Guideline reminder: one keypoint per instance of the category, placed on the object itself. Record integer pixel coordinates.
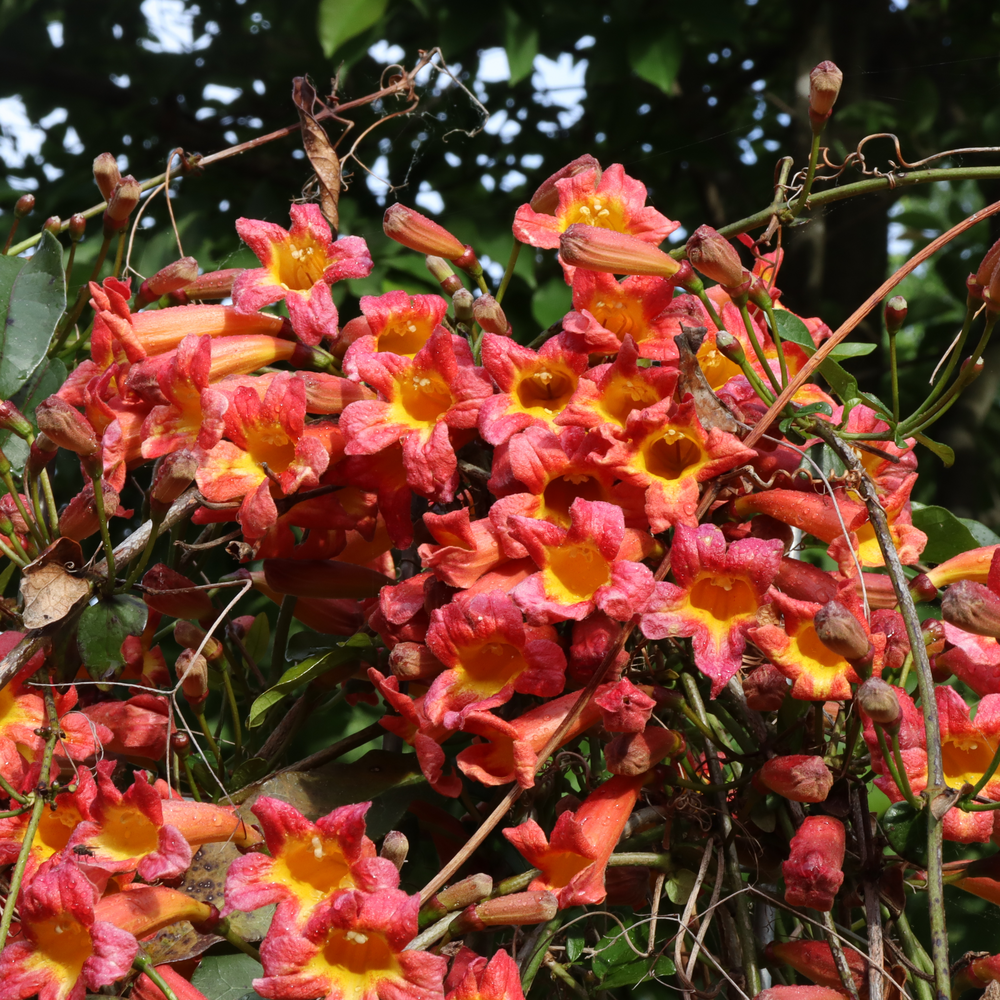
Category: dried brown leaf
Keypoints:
(50, 587)
(711, 412)
(320, 151)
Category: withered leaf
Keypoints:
(49, 587)
(320, 151)
(711, 412)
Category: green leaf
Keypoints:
(680, 885)
(258, 638)
(521, 45)
(658, 61)
(851, 350)
(249, 771)
(906, 831)
(340, 20)
(46, 380)
(36, 300)
(551, 302)
(943, 451)
(948, 535)
(343, 657)
(574, 946)
(843, 383)
(227, 977)
(103, 628)
(617, 964)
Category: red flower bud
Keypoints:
(24, 205)
(804, 581)
(730, 348)
(895, 313)
(972, 607)
(395, 847)
(443, 274)
(67, 427)
(841, 632)
(625, 708)
(765, 688)
(880, 703)
(172, 475)
(546, 197)
(800, 993)
(933, 633)
(77, 225)
(815, 960)
(798, 777)
(12, 419)
(121, 204)
(469, 890)
(322, 578)
(630, 754)
(192, 672)
(824, 86)
(716, 258)
(515, 910)
(596, 249)
(413, 661)
(464, 305)
(171, 278)
(79, 519)
(53, 224)
(812, 872)
(490, 316)
(212, 284)
(106, 175)
(425, 236)
(991, 293)
(190, 636)
(158, 585)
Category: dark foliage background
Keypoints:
(697, 100)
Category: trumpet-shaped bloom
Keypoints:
(394, 322)
(611, 200)
(425, 400)
(473, 978)
(466, 549)
(592, 564)
(973, 659)
(814, 960)
(606, 311)
(139, 726)
(534, 386)
(572, 863)
(309, 862)
(967, 748)
(489, 653)
(665, 450)
(300, 264)
(817, 672)
(813, 872)
(64, 951)
(352, 948)
(718, 593)
(268, 445)
(193, 418)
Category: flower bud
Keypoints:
(895, 313)
(824, 86)
(923, 588)
(413, 661)
(515, 910)
(546, 197)
(629, 754)
(106, 175)
(841, 632)
(322, 578)
(24, 205)
(813, 872)
(798, 777)
(470, 890)
(13, 420)
(933, 633)
(978, 281)
(211, 285)
(972, 607)
(180, 744)
(395, 847)
(77, 226)
(443, 274)
(804, 581)
(880, 703)
(625, 708)
(190, 636)
(729, 347)
(172, 475)
(171, 278)
(52, 224)
(803, 992)
(464, 304)
(158, 585)
(79, 519)
(596, 249)
(43, 450)
(121, 205)
(814, 959)
(192, 672)
(991, 293)
(765, 688)
(424, 235)
(716, 258)
(490, 316)
(67, 427)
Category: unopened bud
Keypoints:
(159, 586)
(24, 205)
(813, 872)
(597, 249)
(461, 894)
(172, 475)
(12, 419)
(515, 910)
(797, 777)
(413, 661)
(77, 226)
(443, 274)
(895, 313)
(972, 607)
(805, 991)
(395, 847)
(933, 632)
(922, 588)
(841, 632)
(425, 236)
(729, 347)
(765, 688)
(978, 281)
(463, 302)
(106, 175)
(211, 284)
(716, 258)
(189, 636)
(625, 708)
(880, 703)
(180, 744)
(171, 278)
(192, 672)
(991, 293)
(546, 197)
(67, 427)
(490, 316)
(824, 86)
(629, 754)
(52, 224)
(804, 581)
(121, 204)
(79, 519)
(43, 450)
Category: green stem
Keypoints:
(36, 506)
(894, 375)
(776, 337)
(8, 481)
(987, 774)
(69, 320)
(147, 552)
(13, 556)
(559, 971)
(975, 807)
(144, 964)
(209, 738)
(227, 683)
(956, 354)
(515, 250)
(283, 624)
(895, 765)
(189, 774)
(709, 305)
(800, 202)
(50, 502)
(538, 955)
(224, 929)
(757, 349)
(119, 254)
(102, 518)
(11, 794)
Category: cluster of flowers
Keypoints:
(545, 482)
